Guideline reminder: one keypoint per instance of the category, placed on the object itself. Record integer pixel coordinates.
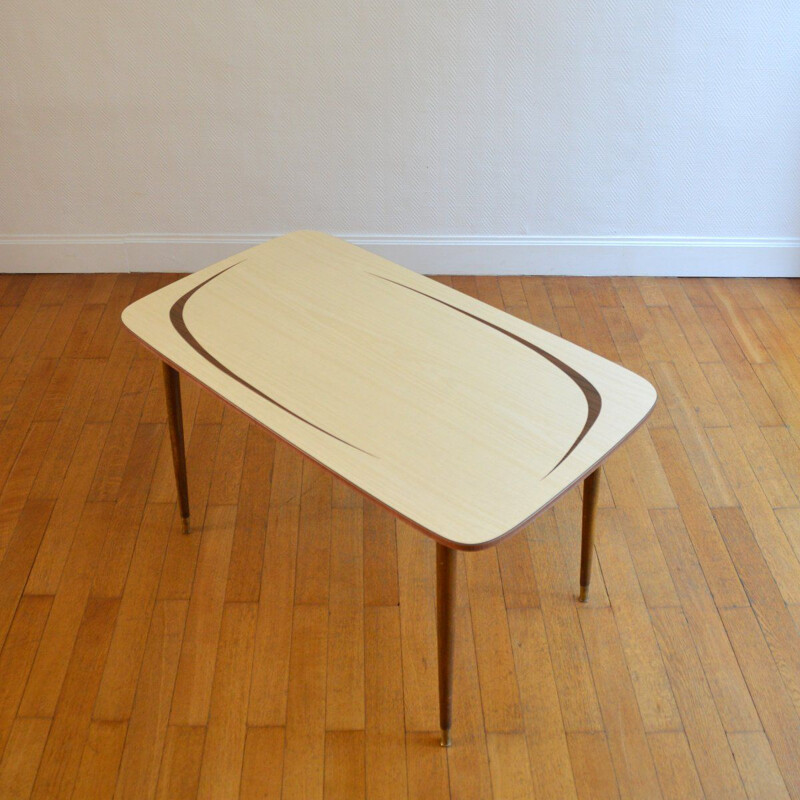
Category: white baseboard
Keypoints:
(464, 255)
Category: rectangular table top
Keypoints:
(460, 418)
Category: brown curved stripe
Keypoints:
(593, 399)
(178, 322)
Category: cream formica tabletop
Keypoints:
(460, 418)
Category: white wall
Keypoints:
(609, 136)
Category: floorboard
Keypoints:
(286, 648)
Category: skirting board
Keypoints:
(454, 255)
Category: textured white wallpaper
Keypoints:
(611, 135)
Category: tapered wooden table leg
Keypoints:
(172, 388)
(587, 531)
(445, 633)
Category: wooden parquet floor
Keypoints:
(286, 648)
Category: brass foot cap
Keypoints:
(185, 524)
(584, 595)
(445, 741)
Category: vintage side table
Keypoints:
(461, 419)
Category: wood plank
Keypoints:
(630, 753)
(75, 294)
(26, 330)
(633, 628)
(275, 610)
(681, 305)
(244, 572)
(51, 404)
(83, 329)
(517, 575)
(651, 292)
(593, 322)
(17, 657)
(781, 395)
(16, 490)
(544, 728)
(750, 438)
(193, 684)
(262, 766)
(21, 758)
(632, 356)
(488, 288)
(738, 321)
(180, 562)
(101, 287)
(416, 567)
(385, 744)
(757, 766)
(312, 581)
(786, 451)
(108, 480)
(15, 372)
(345, 684)
(558, 290)
(773, 701)
(703, 401)
(380, 556)
(14, 289)
(464, 284)
(118, 685)
(221, 771)
(512, 292)
(63, 523)
(127, 519)
(579, 706)
(709, 746)
(22, 413)
(147, 736)
(18, 558)
(765, 598)
(303, 767)
(721, 669)
(499, 691)
(180, 767)
(641, 320)
(720, 334)
(427, 767)
(592, 767)
(642, 542)
(650, 478)
(62, 752)
(777, 550)
(67, 617)
(97, 774)
(781, 348)
(675, 765)
(740, 289)
(695, 440)
(790, 523)
(54, 464)
(511, 770)
(468, 758)
(344, 765)
(711, 552)
(232, 459)
(103, 339)
(538, 302)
